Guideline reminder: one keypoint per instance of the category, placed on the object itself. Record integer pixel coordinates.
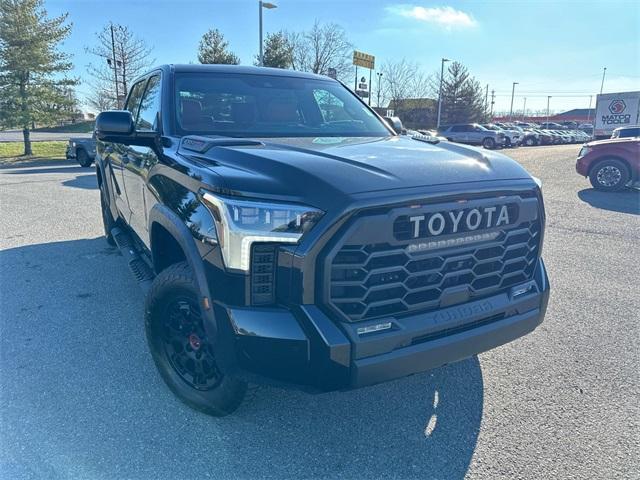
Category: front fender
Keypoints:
(170, 221)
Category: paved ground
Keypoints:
(80, 397)
(16, 136)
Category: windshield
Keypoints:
(245, 105)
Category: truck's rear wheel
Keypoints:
(181, 348)
(609, 175)
(83, 158)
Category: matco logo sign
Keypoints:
(617, 116)
(617, 107)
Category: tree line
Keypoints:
(35, 87)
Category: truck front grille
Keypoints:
(380, 279)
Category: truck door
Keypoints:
(116, 153)
(139, 159)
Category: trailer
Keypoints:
(615, 110)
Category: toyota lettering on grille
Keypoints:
(441, 223)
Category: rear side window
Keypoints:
(150, 106)
(630, 132)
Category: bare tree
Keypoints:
(101, 96)
(132, 58)
(404, 80)
(324, 46)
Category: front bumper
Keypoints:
(583, 164)
(302, 347)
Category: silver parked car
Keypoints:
(513, 137)
(473, 134)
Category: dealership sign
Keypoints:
(361, 59)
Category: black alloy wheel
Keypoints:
(187, 346)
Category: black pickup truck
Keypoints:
(285, 234)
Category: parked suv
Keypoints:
(625, 132)
(610, 164)
(286, 234)
(512, 137)
(474, 134)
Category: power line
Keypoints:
(545, 96)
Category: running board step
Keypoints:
(141, 270)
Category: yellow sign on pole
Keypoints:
(365, 60)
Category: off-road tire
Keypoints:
(178, 282)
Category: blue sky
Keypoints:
(556, 48)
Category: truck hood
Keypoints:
(612, 141)
(313, 169)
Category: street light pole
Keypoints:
(440, 94)
(513, 91)
(379, 74)
(604, 72)
(262, 5)
(548, 98)
(524, 108)
(115, 66)
(589, 109)
(260, 23)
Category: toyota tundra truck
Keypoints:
(286, 235)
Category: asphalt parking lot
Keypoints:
(80, 397)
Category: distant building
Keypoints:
(577, 115)
(414, 112)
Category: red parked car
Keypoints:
(610, 164)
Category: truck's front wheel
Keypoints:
(181, 348)
(609, 175)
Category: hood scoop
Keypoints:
(199, 144)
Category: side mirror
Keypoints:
(114, 123)
(117, 126)
(395, 123)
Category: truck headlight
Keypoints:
(240, 223)
(583, 151)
